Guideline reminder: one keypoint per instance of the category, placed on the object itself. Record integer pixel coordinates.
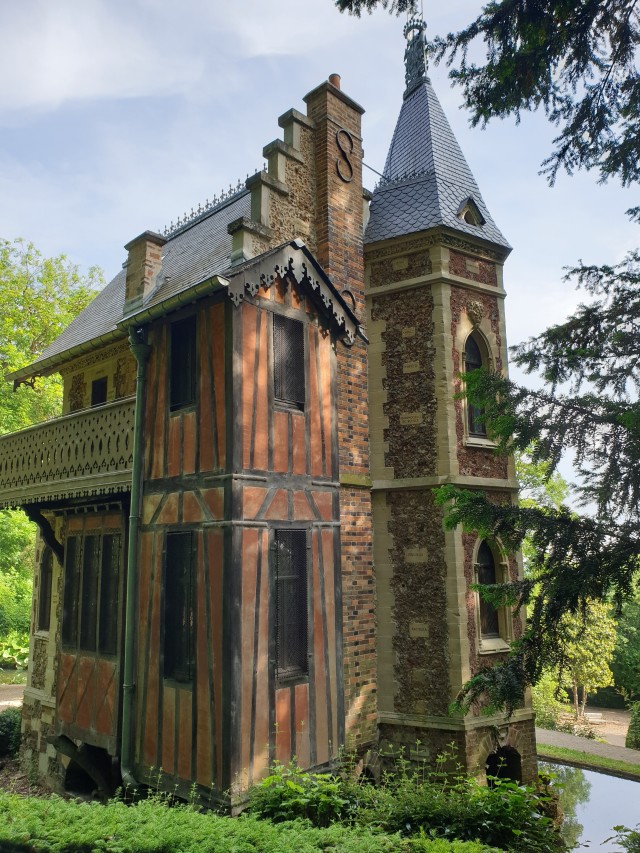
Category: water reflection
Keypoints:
(593, 803)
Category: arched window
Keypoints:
(486, 574)
(473, 361)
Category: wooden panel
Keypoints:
(151, 663)
(324, 502)
(85, 695)
(174, 445)
(262, 698)
(302, 725)
(205, 707)
(315, 424)
(299, 443)
(185, 733)
(324, 351)
(329, 627)
(252, 499)
(278, 509)
(105, 720)
(281, 442)
(214, 499)
(191, 509)
(169, 511)
(67, 688)
(217, 335)
(207, 449)
(189, 442)
(216, 550)
(169, 729)
(301, 509)
(260, 427)
(156, 405)
(250, 317)
(319, 696)
(283, 725)
(247, 651)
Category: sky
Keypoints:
(117, 116)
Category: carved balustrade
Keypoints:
(82, 454)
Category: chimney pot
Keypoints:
(334, 79)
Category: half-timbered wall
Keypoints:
(233, 468)
(88, 682)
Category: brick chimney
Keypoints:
(143, 265)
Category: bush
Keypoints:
(633, 733)
(290, 793)
(10, 735)
(14, 651)
(61, 826)
(422, 806)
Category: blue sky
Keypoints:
(116, 116)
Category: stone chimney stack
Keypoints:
(143, 265)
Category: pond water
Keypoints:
(593, 803)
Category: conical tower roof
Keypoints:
(427, 181)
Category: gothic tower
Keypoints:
(435, 302)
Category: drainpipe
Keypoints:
(141, 351)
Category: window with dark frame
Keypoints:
(91, 593)
(290, 548)
(44, 595)
(99, 391)
(179, 607)
(486, 574)
(182, 367)
(473, 361)
(288, 361)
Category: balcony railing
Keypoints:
(83, 454)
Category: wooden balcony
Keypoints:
(84, 454)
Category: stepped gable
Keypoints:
(193, 253)
(427, 181)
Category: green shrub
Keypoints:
(150, 826)
(289, 793)
(10, 720)
(422, 806)
(633, 733)
(14, 651)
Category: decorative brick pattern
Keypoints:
(392, 270)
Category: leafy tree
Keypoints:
(626, 657)
(588, 641)
(39, 297)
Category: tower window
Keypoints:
(182, 377)
(486, 573)
(473, 361)
(288, 361)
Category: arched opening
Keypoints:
(505, 763)
(473, 360)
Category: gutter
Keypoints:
(141, 350)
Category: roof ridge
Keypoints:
(225, 198)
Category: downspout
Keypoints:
(140, 350)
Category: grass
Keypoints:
(589, 761)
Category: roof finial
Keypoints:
(415, 55)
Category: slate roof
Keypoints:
(426, 177)
(195, 253)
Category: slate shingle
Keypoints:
(426, 177)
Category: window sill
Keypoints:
(478, 441)
(493, 646)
